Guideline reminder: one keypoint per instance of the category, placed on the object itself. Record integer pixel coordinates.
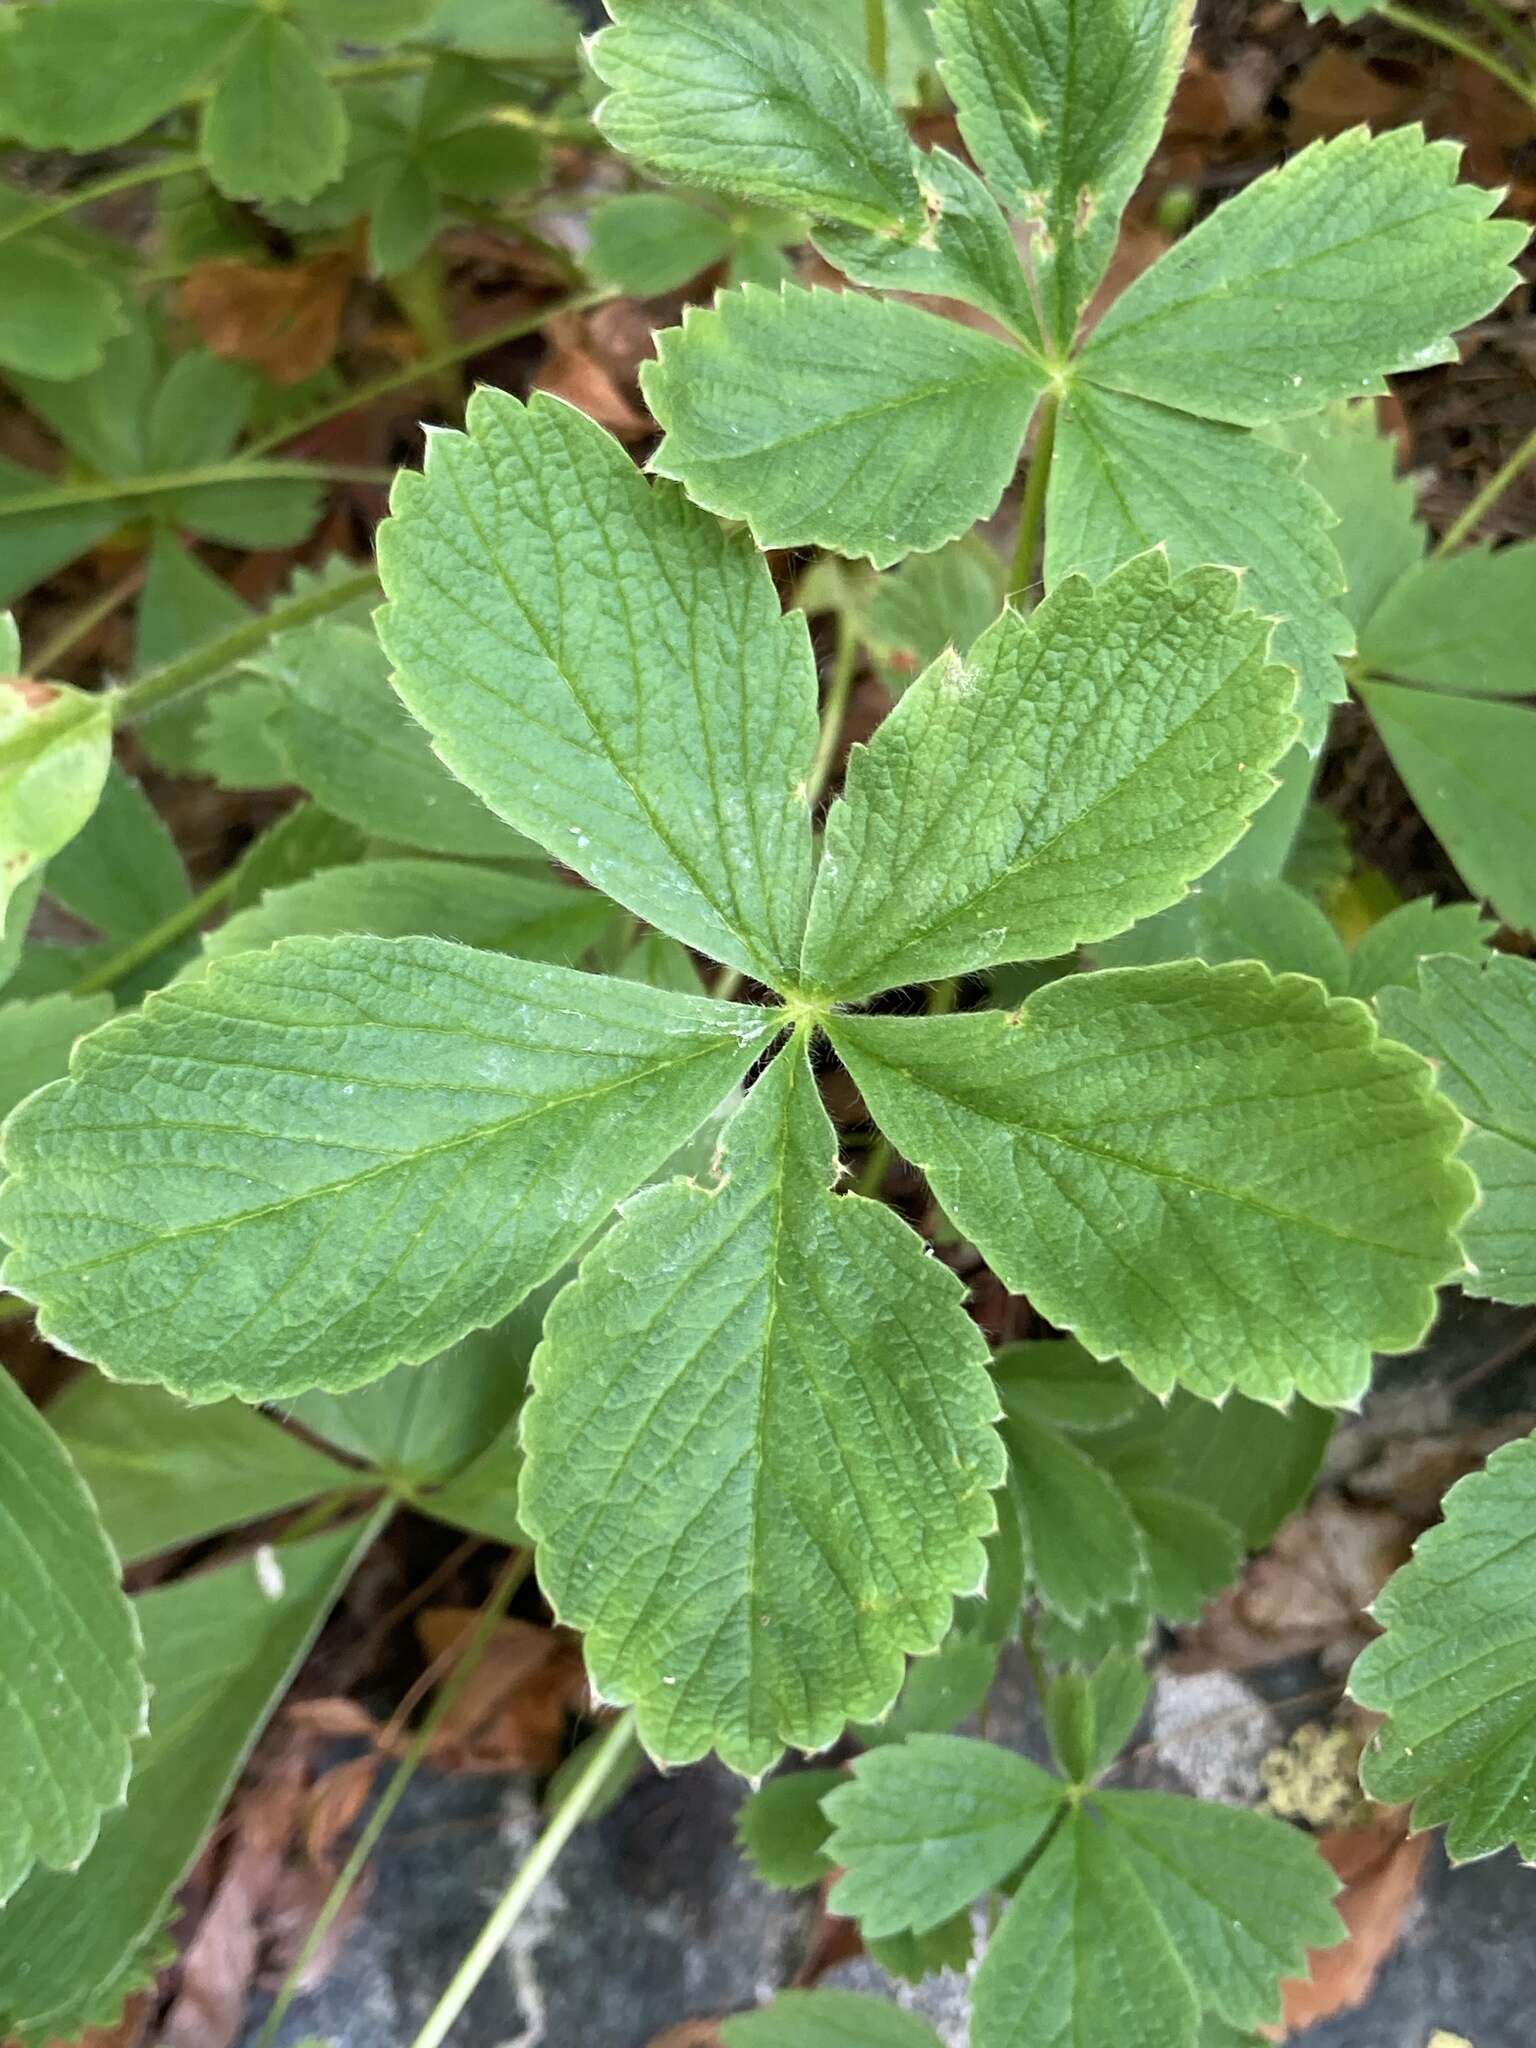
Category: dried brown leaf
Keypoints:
(513, 1711)
(1380, 1868)
(283, 318)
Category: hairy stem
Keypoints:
(610, 1756)
(239, 470)
(834, 711)
(1032, 511)
(512, 1576)
(1468, 520)
(1410, 19)
(85, 195)
(150, 945)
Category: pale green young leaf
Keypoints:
(15, 918)
(965, 250)
(1058, 1383)
(724, 93)
(314, 1163)
(83, 74)
(1359, 256)
(1093, 1714)
(1455, 1672)
(75, 1699)
(652, 242)
(635, 700)
(1464, 622)
(1477, 1022)
(219, 1650)
(36, 1039)
(784, 1831)
(347, 739)
(1470, 766)
(1388, 955)
(944, 599)
(1062, 105)
(1083, 1550)
(861, 424)
(163, 1474)
(1128, 476)
(828, 2019)
(925, 1826)
(760, 1451)
(1242, 1896)
(56, 314)
(533, 916)
(275, 128)
(1076, 771)
(1223, 1179)
(1353, 467)
(54, 756)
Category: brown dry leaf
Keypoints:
(512, 1713)
(1338, 90)
(129, 2031)
(334, 1805)
(691, 2034)
(590, 376)
(286, 319)
(332, 1717)
(1414, 1473)
(1380, 1867)
(1308, 1591)
(1210, 103)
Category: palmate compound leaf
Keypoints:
(1075, 772)
(74, 1697)
(865, 425)
(760, 1447)
(1224, 1179)
(726, 93)
(1477, 1022)
(611, 672)
(1455, 1672)
(1359, 256)
(1061, 105)
(313, 1163)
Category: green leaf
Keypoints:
(638, 704)
(274, 129)
(56, 315)
(1389, 953)
(483, 1497)
(980, 824)
(14, 921)
(966, 250)
(1128, 476)
(913, 1957)
(828, 2019)
(1463, 622)
(373, 22)
(34, 544)
(315, 1163)
(236, 736)
(1093, 1714)
(405, 217)
(1268, 921)
(1477, 1022)
(860, 424)
(759, 1447)
(1062, 105)
(723, 93)
(1455, 1672)
(652, 242)
(36, 1040)
(1222, 1179)
(661, 962)
(182, 604)
(54, 758)
(1083, 1551)
(1058, 1383)
(122, 872)
(83, 74)
(784, 1831)
(1192, 1552)
(1369, 245)
(1144, 1909)
(924, 1827)
(943, 1689)
(533, 916)
(164, 1474)
(347, 739)
(302, 842)
(219, 1651)
(534, 32)
(1353, 467)
(75, 1698)
(946, 599)
(1470, 766)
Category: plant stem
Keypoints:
(835, 711)
(512, 1576)
(1410, 19)
(209, 660)
(875, 38)
(424, 368)
(1467, 521)
(84, 620)
(85, 195)
(240, 470)
(606, 1760)
(1504, 24)
(150, 945)
(419, 294)
(1032, 511)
